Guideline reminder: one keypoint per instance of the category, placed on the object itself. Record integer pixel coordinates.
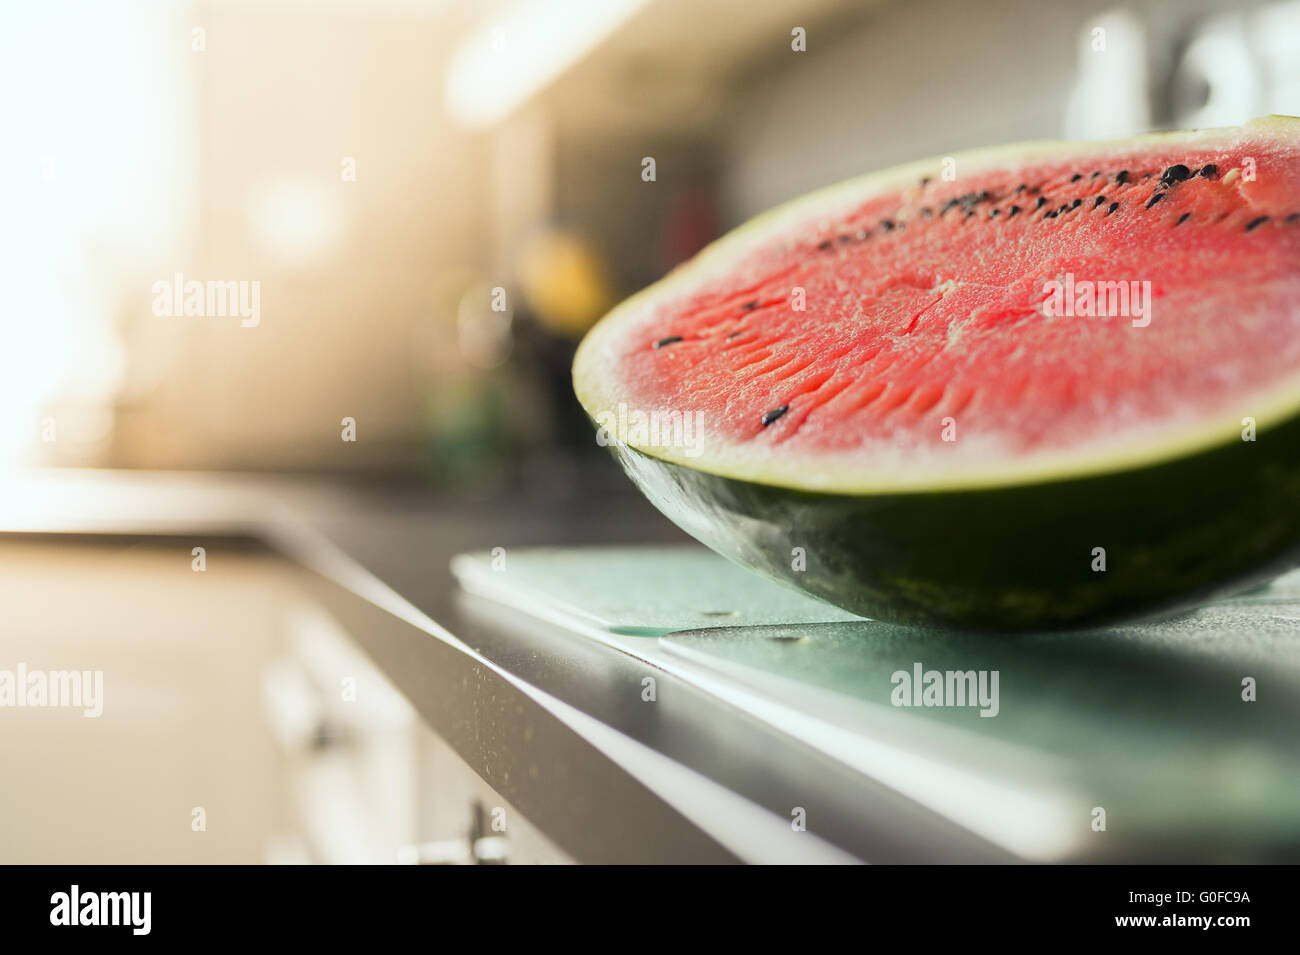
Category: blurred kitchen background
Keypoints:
(435, 200)
(390, 170)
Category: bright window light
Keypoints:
(519, 52)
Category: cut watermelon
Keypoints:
(1034, 386)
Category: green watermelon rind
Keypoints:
(1023, 557)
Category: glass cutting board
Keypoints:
(1144, 720)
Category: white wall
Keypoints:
(929, 77)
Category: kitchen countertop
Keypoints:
(557, 723)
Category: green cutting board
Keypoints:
(638, 591)
(1145, 720)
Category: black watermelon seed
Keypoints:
(1020, 188)
(1146, 175)
(887, 225)
(1122, 176)
(1012, 211)
(824, 244)
(1062, 209)
(1208, 171)
(1113, 207)
(1154, 199)
(926, 211)
(845, 238)
(1182, 218)
(947, 205)
(670, 340)
(1076, 177)
(774, 414)
(1099, 200)
(1042, 201)
(733, 335)
(1076, 203)
(1255, 223)
(749, 305)
(1095, 174)
(1292, 217)
(1051, 213)
(1175, 173)
(993, 213)
(969, 214)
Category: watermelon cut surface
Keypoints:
(1056, 336)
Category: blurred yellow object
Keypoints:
(565, 282)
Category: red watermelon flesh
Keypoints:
(905, 330)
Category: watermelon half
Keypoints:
(1037, 386)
